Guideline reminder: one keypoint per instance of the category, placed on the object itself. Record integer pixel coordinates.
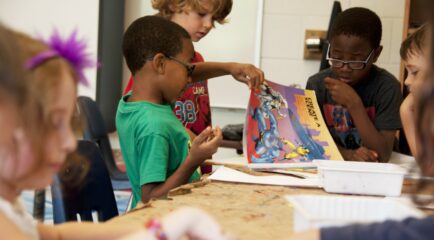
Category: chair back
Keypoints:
(93, 196)
(95, 130)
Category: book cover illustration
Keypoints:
(285, 125)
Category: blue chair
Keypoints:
(93, 195)
(95, 130)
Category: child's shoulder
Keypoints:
(384, 77)
(381, 72)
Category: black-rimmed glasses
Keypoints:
(354, 65)
(189, 67)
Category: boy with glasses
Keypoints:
(155, 146)
(359, 100)
(198, 18)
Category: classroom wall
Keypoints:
(284, 25)
(40, 17)
(281, 46)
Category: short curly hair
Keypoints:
(360, 22)
(166, 8)
(150, 35)
(415, 43)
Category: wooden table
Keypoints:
(246, 211)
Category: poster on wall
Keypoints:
(284, 128)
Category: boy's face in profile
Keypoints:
(197, 22)
(179, 68)
(352, 48)
(417, 65)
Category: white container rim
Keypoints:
(348, 166)
(297, 206)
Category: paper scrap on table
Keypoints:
(230, 175)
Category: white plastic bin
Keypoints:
(316, 211)
(384, 179)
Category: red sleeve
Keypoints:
(197, 58)
(129, 86)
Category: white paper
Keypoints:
(281, 165)
(230, 175)
(233, 161)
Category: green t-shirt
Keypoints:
(153, 142)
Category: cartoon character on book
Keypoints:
(269, 144)
(297, 151)
(270, 100)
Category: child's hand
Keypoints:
(342, 93)
(205, 145)
(364, 154)
(248, 74)
(184, 223)
(192, 223)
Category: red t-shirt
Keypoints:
(192, 108)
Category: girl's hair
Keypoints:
(415, 43)
(44, 82)
(166, 8)
(12, 77)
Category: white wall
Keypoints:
(40, 17)
(285, 22)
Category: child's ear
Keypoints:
(159, 63)
(173, 8)
(377, 53)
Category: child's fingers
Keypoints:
(203, 136)
(330, 82)
(245, 79)
(257, 79)
(218, 132)
(366, 155)
(250, 75)
(217, 136)
(373, 156)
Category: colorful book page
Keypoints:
(285, 125)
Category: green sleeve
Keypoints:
(153, 151)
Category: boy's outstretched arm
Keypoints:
(86, 230)
(381, 142)
(203, 147)
(406, 112)
(246, 73)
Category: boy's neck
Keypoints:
(144, 90)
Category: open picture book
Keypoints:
(284, 129)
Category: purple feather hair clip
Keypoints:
(71, 49)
